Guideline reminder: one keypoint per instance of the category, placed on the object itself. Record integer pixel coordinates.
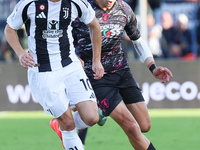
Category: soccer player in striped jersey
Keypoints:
(55, 74)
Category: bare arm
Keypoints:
(95, 36)
(26, 59)
(145, 54)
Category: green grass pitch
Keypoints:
(172, 129)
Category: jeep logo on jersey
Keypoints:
(53, 30)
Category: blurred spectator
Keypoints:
(154, 36)
(184, 38)
(169, 37)
(5, 51)
(176, 39)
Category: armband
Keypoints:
(152, 67)
(142, 49)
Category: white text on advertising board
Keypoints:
(156, 91)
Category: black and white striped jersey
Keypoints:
(49, 30)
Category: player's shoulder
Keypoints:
(123, 5)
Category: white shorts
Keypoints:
(57, 90)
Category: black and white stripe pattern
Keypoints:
(48, 27)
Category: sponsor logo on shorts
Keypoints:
(92, 95)
(103, 104)
(49, 110)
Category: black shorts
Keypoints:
(113, 88)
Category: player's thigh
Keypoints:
(123, 116)
(140, 112)
(107, 92)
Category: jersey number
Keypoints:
(86, 84)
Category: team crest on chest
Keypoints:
(105, 17)
(66, 13)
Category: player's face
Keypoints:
(108, 3)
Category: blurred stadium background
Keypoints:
(172, 30)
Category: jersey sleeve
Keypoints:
(131, 27)
(15, 19)
(87, 12)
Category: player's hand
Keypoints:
(98, 70)
(162, 73)
(26, 60)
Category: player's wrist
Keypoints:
(152, 67)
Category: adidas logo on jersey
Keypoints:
(92, 96)
(41, 15)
